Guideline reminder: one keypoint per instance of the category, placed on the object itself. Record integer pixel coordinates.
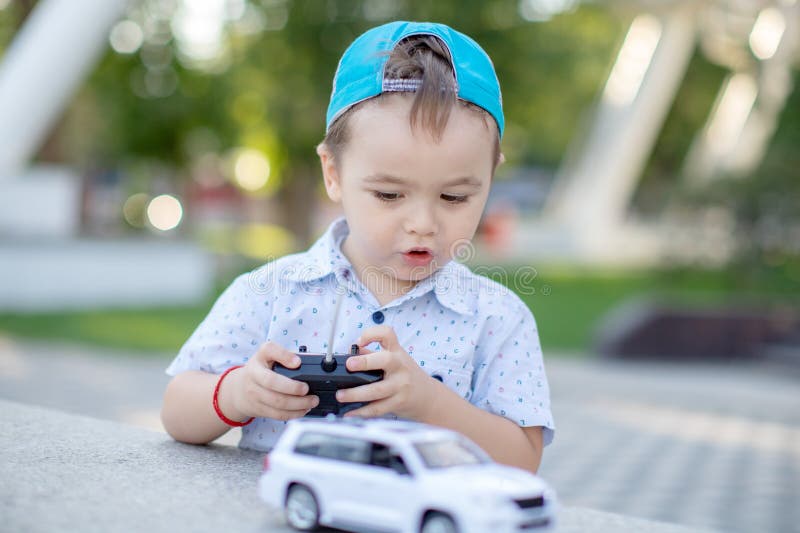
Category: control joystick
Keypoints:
(325, 374)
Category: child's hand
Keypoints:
(405, 389)
(258, 391)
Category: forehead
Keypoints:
(382, 140)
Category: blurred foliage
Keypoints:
(147, 331)
(271, 88)
(567, 304)
(660, 183)
(277, 83)
(11, 17)
(763, 206)
(766, 204)
(157, 113)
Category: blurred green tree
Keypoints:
(765, 204)
(270, 88)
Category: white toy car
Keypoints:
(389, 475)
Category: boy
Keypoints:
(412, 142)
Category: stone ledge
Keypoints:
(65, 472)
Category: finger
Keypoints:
(267, 378)
(365, 393)
(383, 335)
(277, 414)
(364, 351)
(270, 353)
(372, 410)
(261, 397)
(271, 380)
(288, 402)
(369, 361)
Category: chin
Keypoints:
(419, 275)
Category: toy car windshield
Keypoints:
(448, 453)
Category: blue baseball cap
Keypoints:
(360, 74)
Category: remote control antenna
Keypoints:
(329, 353)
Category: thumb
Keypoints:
(269, 353)
(383, 335)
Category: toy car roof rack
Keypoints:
(392, 425)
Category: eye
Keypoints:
(386, 196)
(454, 198)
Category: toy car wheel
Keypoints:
(302, 510)
(438, 523)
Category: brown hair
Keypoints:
(422, 57)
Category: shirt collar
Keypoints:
(323, 258)
(451, 283)
(452, 287)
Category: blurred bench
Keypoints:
(648, 329)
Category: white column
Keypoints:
(46, 62)
(749, 104)
(595, 185)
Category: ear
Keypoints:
(330, 174)
(501, 158)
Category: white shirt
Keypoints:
(474, 334)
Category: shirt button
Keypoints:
(377, 317)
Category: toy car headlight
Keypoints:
(490, 499)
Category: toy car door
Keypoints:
(386, 488)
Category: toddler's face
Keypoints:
(409, 201)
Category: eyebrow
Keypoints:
(386, 178)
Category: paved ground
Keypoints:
(714, 446)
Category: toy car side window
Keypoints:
(450, 452)
(383, 457)
(398, 465)
(333, 447)
(309, 443)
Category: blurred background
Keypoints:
(648, 213)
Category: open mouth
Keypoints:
(418, 256)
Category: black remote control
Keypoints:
(324, 379)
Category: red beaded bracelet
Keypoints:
(221, 416)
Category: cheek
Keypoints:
(371, 225)
(471, 216)
(461, 228)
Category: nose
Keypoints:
(421, 220)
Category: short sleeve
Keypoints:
(510, 379)
(230, 334)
